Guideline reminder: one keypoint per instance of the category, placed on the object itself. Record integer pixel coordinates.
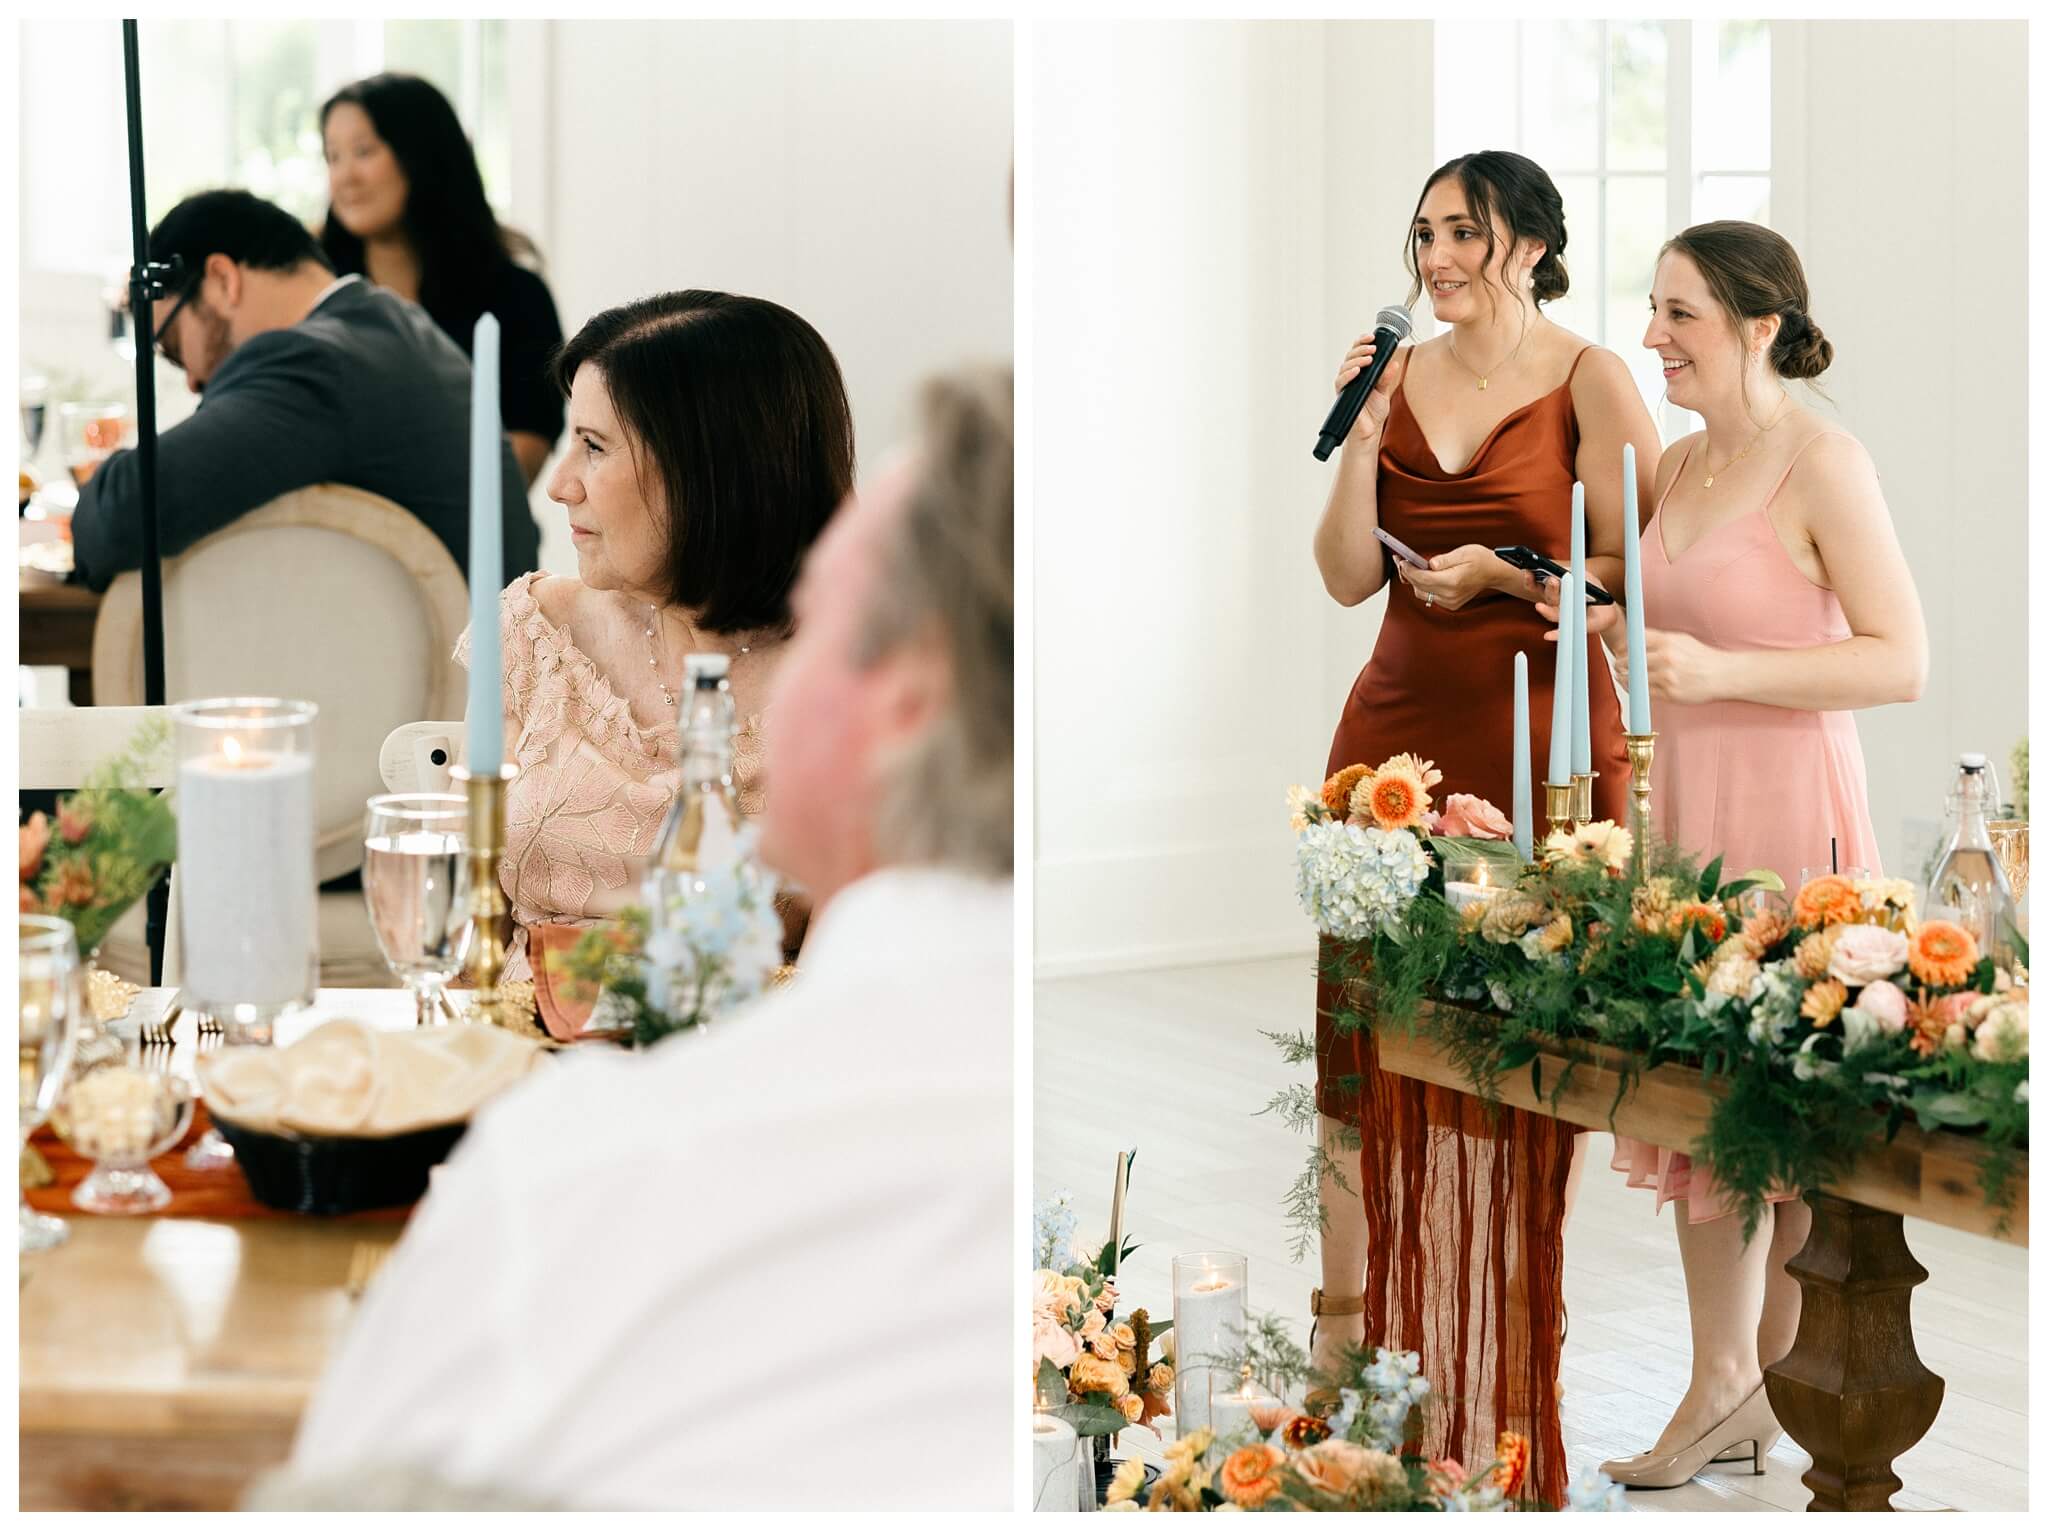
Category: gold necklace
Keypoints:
(1485, 377)
(654, 654)
(1714, 473)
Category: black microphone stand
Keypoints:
(146, 284)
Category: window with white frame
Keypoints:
(1645, 126)
(225, 103)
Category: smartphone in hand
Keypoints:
(1531, 560)
(1400, 549)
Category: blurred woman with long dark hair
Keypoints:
(407, 210)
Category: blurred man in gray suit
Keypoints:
(304, 379)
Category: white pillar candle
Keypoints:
(1208, 1329)
(248, 889)
(1055, 1464)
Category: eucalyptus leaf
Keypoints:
(1090, 1418)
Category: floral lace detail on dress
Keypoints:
(593, 784)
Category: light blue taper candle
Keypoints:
(1525, 808)
(486, 554)
(1632, 592)
(1582, 697)
(1561, 689)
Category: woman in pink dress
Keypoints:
(1781, 604)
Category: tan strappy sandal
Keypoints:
(1322, 1400)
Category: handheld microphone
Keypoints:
(1390, 327)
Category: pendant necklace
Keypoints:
(654, 654)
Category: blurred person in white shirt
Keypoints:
(768, 1264)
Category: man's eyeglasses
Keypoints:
(163, 330)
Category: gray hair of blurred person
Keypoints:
(946, 571)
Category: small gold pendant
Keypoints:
(1482, 385)
(1709, 483)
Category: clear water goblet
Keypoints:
(416, 884)
(52, 1008)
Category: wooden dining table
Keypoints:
(164, 1361)
(1852, 1392)
(56, 623)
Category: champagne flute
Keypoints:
(52, 1003)
(416, 883)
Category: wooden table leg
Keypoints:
(1852, 1391)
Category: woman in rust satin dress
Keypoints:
(1453, 1224)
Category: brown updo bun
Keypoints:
(1801, 350)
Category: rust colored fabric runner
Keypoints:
(214, 1193)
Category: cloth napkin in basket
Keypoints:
(348, 1079)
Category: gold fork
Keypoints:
(363, 1263)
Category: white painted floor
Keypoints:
(1171, 1062)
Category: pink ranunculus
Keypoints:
(1863, 954)
(1093, 1324)
(1467, 817)
(1884, 1002)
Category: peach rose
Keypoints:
(1248, 1478)
(1865, 953)
(35, 839)
(1132, 1407)
(1104, 1345)
(1095, 1323)
(1472, 818)
(1885, 1003)
(1092, 1374)
(1332, 1467)
(1125, 1336)
(2001, 1029)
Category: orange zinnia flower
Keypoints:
(1708, 917)
(1337, 790)
(1513, 1451)
(1395, 798)
(1942, 954)
(1248, 1478)
(1827, 900)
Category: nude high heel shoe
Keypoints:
(1749, 1428)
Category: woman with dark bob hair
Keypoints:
(407, 210)
(711, 442)
(1451, 1213)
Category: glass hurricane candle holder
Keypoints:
(121, 1117)
(1470, 879)
(1208, 1332)
(249, 895)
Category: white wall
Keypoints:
(856, 172)
(1220, 207)
(1901, 177)
(1206, 199)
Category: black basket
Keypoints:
(333, 1176)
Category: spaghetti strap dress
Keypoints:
(1464, 1207)
(1758, 786)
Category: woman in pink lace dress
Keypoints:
(710, 441)
(1779, 602)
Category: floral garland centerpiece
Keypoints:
(1091, 1369)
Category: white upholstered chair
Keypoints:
(329, 594)
(60, 747)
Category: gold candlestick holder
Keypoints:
(1557, 804)
(1582, 796)
(486, 829)
(1642, 749)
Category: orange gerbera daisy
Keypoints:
(1394, 795)
(1942, 954)
(1248, 1478)
(1513, 1451)
(1824, 1001)
(1712, 923)
(1829, 900)
(1337, 790)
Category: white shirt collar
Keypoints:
(332, 288)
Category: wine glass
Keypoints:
(35, 410)
(416, 883)
(88, 434)
(52, 1005)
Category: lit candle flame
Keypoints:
(1482, 878)
(231, 748)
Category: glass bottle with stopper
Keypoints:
(697, 853)
(1969, 885)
